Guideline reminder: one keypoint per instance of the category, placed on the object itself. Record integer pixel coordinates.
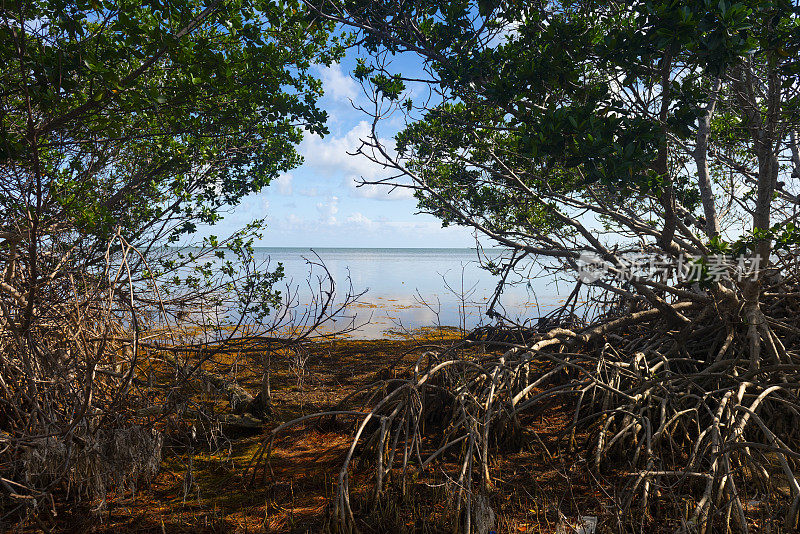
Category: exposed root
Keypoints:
(689, 412)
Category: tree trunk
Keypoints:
(701, 161)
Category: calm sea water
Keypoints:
(411, 288)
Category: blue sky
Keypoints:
(319, 205)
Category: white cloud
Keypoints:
(376, 192)
(331, 154)
(309, 192)
(293, 221)
(328, 210)
(283, 183)
(336, 155)
(508, 32)
(331, 229)
(358, 219)
(337, 84)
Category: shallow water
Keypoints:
(411, 288)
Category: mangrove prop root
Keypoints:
(684, 409)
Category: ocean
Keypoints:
(406, 289)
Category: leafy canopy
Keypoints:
(151, 115)
(547, 106)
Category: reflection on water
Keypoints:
(411, 288)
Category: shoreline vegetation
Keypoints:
(213, 475)
(230, 463)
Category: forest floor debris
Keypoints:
(535, 486)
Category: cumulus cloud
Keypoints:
(328, 210)
(293, 221)
(376, 192)
(334, 155)
(283, 184)
(337, 84)
(331, 154)
(357, 222)
(332, 225)
(510, 31)
(309, 192)
(360, 220)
